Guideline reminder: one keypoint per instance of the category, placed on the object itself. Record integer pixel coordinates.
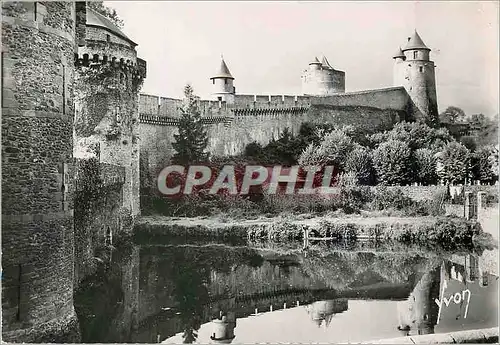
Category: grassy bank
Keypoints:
(449, 233)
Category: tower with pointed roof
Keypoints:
(321, 79)
(223, 84)
(415, 71)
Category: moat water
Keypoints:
(216, 293)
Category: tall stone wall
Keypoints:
(230, 134)
(99, 219)
(38, 40)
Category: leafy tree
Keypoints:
(107, 12)
(359, 162)
(425, 167)
(191, 142)
(454, 161)
(333, 150)
(482, 162)
(392, 162)
(452, 115)
(416, 134)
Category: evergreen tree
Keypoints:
(191, 142)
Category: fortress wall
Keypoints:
(389, 98)
(243, 101)
(37, 187)
(169, 107)
(90, 235)
(93, 33)
(231, 139)
(148, 104)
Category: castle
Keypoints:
(235, 120)
(70, 83)
(70, 96)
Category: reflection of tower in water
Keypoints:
(323, 311)
(419, 312)
(223, 328)
(224, 324)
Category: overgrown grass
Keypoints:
(447, 233)
(348, 200)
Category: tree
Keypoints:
(416, 134)
(107, 12)
(392, 162)
(482, 162)
(454, 161)
(452, 115)
(191, 142)
(425, 167)
(332, 150)
(359, 162)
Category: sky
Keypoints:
(267, 45)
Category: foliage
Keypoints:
(425, 167)
(333, 150)
(454, 161)
(416, 134)
(452, 115)
(392, 162)
(89, 193)
(106, 11)
(482, 162)
(359, 162)
(191, 142)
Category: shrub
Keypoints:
(388, 198)
(425, 167)
(454, 161)
(392, 162)
(359, 162)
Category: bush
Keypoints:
(392, 162)
(388, 198)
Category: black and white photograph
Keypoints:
(250, 172)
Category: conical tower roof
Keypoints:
(398, 54)
(315, 61)
(415, 42)
(223, 71)
(325, 63)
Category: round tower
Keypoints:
(419, 79)
(222, 81)
(399, 67)
(108, 78)
(321, 79)
(37, 213)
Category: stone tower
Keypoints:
(108, 76)
(416, 74)
(321, 79)
(37, 210)
(223, 88)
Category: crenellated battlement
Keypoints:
(244, 105)
(89, 60)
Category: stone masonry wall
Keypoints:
(102, 221)
(37, 216)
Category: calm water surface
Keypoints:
(222, 294)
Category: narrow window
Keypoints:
(108, 38)
(421, 68)
(213, 81)
(225, 81)
(220, 99)
(415, 55)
